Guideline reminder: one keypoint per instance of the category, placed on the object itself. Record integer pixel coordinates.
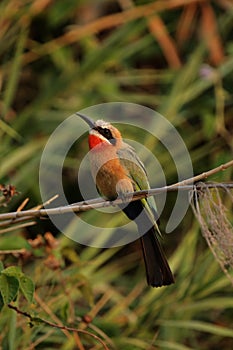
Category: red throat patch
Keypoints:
(94, 140)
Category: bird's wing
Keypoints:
(130, 160)
(137, 172)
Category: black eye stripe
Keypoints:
(105, 132)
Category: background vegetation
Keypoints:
(58, 57)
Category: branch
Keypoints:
(54, 325)
(186, 185)
(12, 222)
(205, 174)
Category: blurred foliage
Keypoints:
(58, 57)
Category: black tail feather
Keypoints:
(157, 269)
(158, 272)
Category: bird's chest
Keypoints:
(110, 176)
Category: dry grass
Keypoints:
(213, 216)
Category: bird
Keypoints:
(117, 171)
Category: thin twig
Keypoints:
(54, 325)
(16, 227)
(45, 307)
(204, 175)
(23, 204)
(13, 222)
(13, 251)
(49, 201)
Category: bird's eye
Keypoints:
(107, 133)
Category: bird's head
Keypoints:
(101, 132)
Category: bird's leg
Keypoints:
(123, 188)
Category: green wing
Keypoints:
(137, 172)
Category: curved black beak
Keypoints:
(88, 120)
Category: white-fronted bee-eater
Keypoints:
(117, 170)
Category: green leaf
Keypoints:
(9, 286)
(16, 242)
(14, 271)
(27, 287)
(1, 266)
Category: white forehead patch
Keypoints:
(102, 123)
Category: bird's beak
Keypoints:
(88, 120)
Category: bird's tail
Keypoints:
(158, 272)
(157, 269)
